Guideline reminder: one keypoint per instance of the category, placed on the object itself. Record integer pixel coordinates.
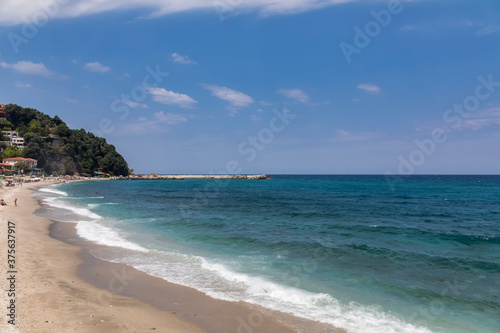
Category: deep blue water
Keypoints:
(413, 254)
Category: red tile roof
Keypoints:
(19, 159)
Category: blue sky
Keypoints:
(302, 86)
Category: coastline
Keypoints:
(63, 286)
(49, 295)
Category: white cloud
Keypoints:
(71, 100)
(163, 96)
(236, 98)
(170, 118)
(180, 59)
(17, 11)
(483, 29)
(483, 118)
(96, 67)
(487, 30)
(280, 7)
(343, 133)
(23, 85)
(157, 123)
(28, 67)
(370, 88)
(294, 94)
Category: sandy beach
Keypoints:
(56, 278)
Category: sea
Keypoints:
(365, 253)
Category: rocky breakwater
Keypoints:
(183, 177)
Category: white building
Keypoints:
(13, 160)
(14, 139)
(17, 142)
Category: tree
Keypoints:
(35, 148)
(87, 166)
(21, 166)
(32, 150)
(12, 111)
(57, 121)
(5, 125)
(18, 115)
(22, 129)
(48, 168)
(62, 130)
(32, 137)
(79, 150)
(35, 127)
(12, 151)
(68, 169)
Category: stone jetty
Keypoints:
(154, 176)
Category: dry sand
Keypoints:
(53, 293)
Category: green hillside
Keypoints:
(57, 148)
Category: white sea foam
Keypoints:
(219, 282)
(103, 235)
(316, 306)
(52, 190)
(82, 211)
(94, 205)
(79, 198)
(90, 228)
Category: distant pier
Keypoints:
(182, 177)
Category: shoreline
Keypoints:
(49, 296)
(112, 292)
(193, 306)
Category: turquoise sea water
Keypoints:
(414, 254)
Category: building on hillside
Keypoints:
(17, 142)
(10, 134)
(3, 115)
(14, 139)
(13, 160)
(5, 167)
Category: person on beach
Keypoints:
(15, 201)
(2, 202)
